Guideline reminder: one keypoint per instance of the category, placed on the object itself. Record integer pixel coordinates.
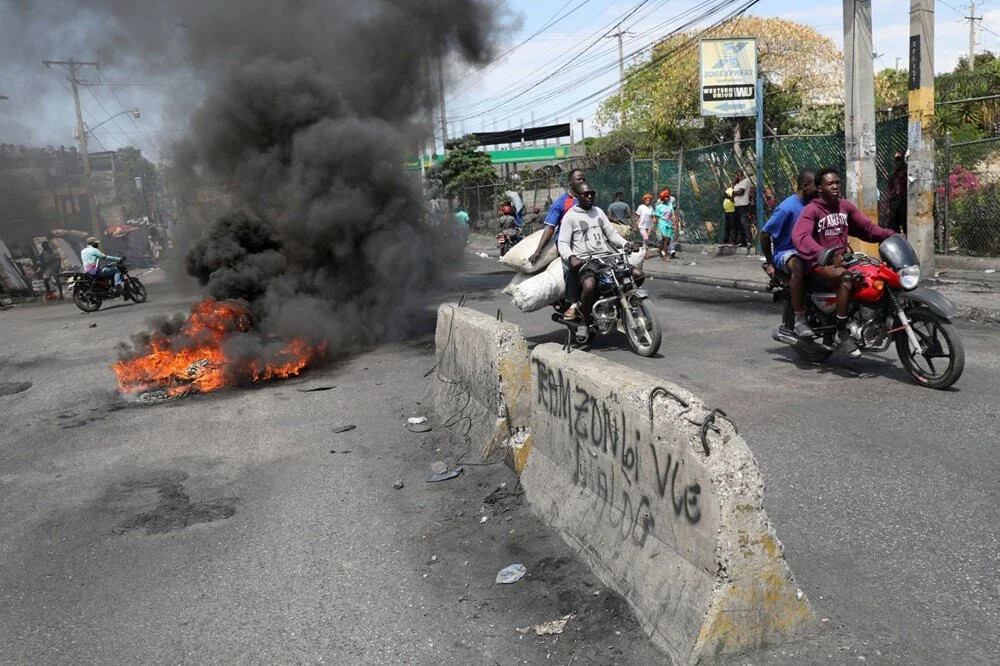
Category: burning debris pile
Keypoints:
(215, 347)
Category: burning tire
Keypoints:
(85, 298)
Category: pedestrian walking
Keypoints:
(50, 266)
(663, 214)
(644, 218)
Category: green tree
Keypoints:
(802, 69)
(129, 165)
(463, 166)
(891, 87)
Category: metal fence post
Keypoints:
(947, 191)
(631, 172)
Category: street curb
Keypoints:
(709, 281)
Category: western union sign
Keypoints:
(728, 75)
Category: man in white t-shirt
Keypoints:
(644, 217)
(741, 197)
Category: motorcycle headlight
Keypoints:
(909, 277)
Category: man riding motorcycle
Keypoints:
(779, 251)
(91, 256)
(823, 227)
(586, 230)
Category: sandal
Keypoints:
(570, 314)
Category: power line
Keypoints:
(100, 75)
(85, 109)
(693, 18)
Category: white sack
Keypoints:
(516, 280)
(539, 290)
(517, 256)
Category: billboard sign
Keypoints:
(728, 76)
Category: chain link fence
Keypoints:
(967, 210)
(967, 205)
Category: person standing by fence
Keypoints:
(619, 212)
(729, 233)
(742, 185)
(897, 196)
(664, 216)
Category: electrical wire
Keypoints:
(114, 94)
(679, 49)
(84, 108)
(686, 14)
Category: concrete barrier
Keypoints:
(481, 389)
(665, 510)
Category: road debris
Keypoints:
(511, 574)
(990, 270)
(94, 325)
(548, 628)
(439, 467)
(344, 428)
(484, 255)
(483, 519)
(444, 476)
(420, 427)
(399, 484)
(414, 420)
(313, 389)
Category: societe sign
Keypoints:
(728, 75)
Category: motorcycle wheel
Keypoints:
(644, 333)
(137, 291)
(942, 342)
(86, 299)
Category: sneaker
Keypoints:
(673, 253)
(803, 331)
(847, 344)
(582, 333)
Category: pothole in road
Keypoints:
(175, 510)
(10, 388)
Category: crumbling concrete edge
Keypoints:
(498, 420)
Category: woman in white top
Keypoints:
(644, 217)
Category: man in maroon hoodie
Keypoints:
(824, 223)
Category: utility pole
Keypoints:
(920, 166)
(444, 121)
(972, 33)
(73, 67)
(861, 185)
(621, 73)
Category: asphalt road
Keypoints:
(221, 528)
(884, 493)
(241, 528)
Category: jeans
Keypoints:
(572, 285)
(743, 214)
(729, 234)
(109, 271)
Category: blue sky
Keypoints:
(476, 100)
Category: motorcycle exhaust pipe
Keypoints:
(780, 336)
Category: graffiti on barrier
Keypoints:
(634, 483)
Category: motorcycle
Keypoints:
(621, 306)
(508, 238)
(887, 307)
(90, 291)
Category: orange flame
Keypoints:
(194, 360)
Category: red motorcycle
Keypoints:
(887, 307)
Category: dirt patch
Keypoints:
(174, 510)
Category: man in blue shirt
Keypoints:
(556, 212)
(779, 251)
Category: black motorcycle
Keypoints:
(621, 306)
(90, 291)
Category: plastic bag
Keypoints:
(517, 256)
(539, 290)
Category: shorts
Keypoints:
(781, 260)
(589, 269)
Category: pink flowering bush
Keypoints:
(962, 183)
